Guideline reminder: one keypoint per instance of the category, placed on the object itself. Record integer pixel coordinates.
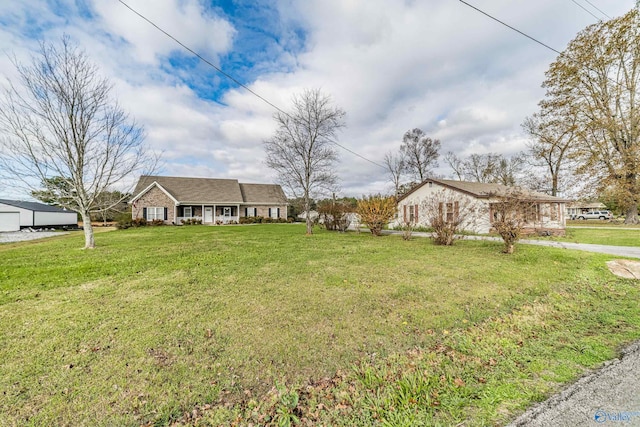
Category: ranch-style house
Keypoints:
(212, 200)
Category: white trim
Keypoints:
(204, 214)
(154, 183)
(155, 211)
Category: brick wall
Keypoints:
(154, 198)
(263, 211)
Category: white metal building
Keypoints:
(33, 214)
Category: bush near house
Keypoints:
(376, 211)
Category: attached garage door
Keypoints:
(9, 221)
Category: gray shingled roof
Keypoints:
(263, 193)
(213, 190)
(484, 190)
(32, 206)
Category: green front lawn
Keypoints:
(602, 236)
(263, 324)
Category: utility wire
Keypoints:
(586, 10)
(597, 8)
(535, 40)
(513, 28)
(233, 79)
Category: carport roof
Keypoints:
(32, 206)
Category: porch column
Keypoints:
(238, 214)
(214, 213)
(201, 214)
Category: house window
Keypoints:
(532, 213)
(412, 211)
(250, 212)
(449, 212)
(274, 212)
(187, 212)
(154, 213)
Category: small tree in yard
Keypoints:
(448, 214)
(302, 149)
(509, 214)
(63, 129)
(376, 212)
(334, 214)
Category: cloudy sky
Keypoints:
(392, 65)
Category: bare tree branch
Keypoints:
(420, 153)
(395, 164)
(61, 122)
(302, 151)
(596, 83)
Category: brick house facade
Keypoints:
(213, 201)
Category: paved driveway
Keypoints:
(19, 236)
(624, 251)
(607, 397)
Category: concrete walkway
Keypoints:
(623, 251)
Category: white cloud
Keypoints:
(392, 65)
(187, 20)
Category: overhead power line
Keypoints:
(513, 28)
(233, 79)
(598, 9)
(586, 10)
(536, 40)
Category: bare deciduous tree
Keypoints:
(302, 151)
(487, 168)
(61, 121)
(597, 80)
(510, 213)
(394, 162)
(420, 153)
(553, 137)
(447, 213)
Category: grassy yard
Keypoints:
(262, 324)
(601, 235)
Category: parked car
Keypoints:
(595, 215)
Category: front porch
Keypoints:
(208, 214)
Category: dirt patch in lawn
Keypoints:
(625, 268)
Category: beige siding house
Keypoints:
(214, 201)
(547, 215)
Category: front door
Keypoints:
(208, 214)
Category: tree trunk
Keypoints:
(554, 185)
(631, 215)
(509, 248)
(89, 242)
(307, 209)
